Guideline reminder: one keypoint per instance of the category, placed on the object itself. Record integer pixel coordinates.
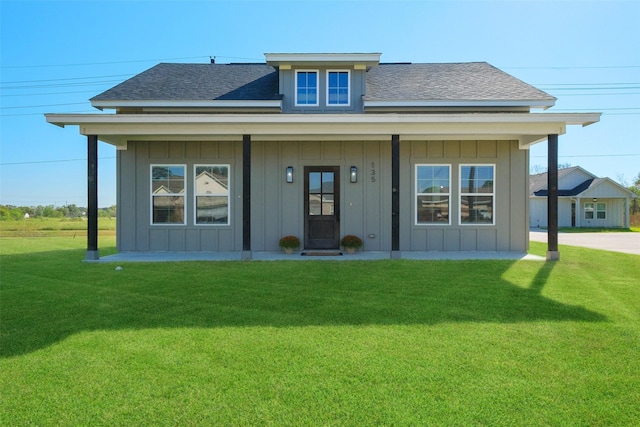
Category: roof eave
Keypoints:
(279, 59)
(172, 104)
(544, 104)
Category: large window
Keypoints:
(433, 194)
(167, 194)
(211, 194)
(477, 194)
(338, 88)
(306, 88)
(595, 211)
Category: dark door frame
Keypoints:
(322, 231)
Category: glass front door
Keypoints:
(322, 207)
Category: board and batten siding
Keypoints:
(135, 232)
(510, 231)
(277, 207)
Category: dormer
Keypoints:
(322, 82)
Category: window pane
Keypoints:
(314, 182)
(343, 96)
(333, 79)
(327, 182)
(433, 179)
(476, 179)
(168, 209)
(167, 179)
(212, 210)
(476, 209)
(333, 96)
(315, 205)
(212, 180)
(312, 97)
(602, 215)
(312, 79)
(344, 79)
(327, 204)
(433, 209)
(302, 96)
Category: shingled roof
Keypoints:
(475, 81)
(241, 82)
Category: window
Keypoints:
(433, 191)
(306, 88)
(167, 194)
(477, 194)
(211, 194)
(322, 193)
(338, 88)
(595, 211)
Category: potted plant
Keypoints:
(289, 244)
(351, 243)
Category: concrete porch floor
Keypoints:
(297, 256)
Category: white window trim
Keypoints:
(196, 194)
(295, 88)
(184, 194)
(416, 194)
(595, 211)
(461, 194)
(348, 104)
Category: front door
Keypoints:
(322, 207)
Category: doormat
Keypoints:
(321, 253)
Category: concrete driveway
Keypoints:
(616, 242)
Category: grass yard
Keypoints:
(48, 227)
(392, 342)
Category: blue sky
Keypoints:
(55, 55)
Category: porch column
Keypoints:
(552, 198)
(92, 198)
(627, 217)
(395, 196)
(246, 197)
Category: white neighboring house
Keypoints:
(584, 200)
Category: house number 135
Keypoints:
(373, 172)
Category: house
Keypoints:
(410, 157)
(584, 200)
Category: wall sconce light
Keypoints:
(289, 174)
(353, 177)
(595, 200)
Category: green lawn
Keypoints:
(392, 342)
(41, 227)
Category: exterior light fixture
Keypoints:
(595, 199)
(354, 174)
(289, 174)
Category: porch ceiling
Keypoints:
(528, 129)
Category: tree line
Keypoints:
(13, 213)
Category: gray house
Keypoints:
(584, 200)
(409, 157)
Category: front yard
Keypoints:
(392, 342)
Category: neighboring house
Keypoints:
(584, 200)
(410, 157)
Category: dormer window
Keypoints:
(306, 87)
(338, 87)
